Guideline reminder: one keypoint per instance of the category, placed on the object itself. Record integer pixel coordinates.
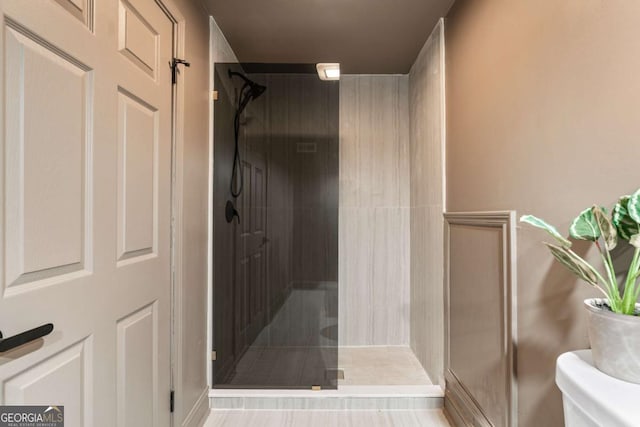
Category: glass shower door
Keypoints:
(275, 227)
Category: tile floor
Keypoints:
(236, 418)
(380, 366)
(294, 352)
(297, 347)
(296, 366)
(291, 367)
(375, 379)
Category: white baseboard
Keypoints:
(199, 412)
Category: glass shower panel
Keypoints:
(275, 227)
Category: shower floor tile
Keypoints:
(282, 366)
(264, 367)
(298, 349)
(380, 366)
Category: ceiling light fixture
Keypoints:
(328, 71)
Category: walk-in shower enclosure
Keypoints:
(275, 227)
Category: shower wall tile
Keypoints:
(374, 211)
(353, 418)
(374, 144)
(426, 112)
(300, 109)
(427, 270)
(342, 403)
(326, 403)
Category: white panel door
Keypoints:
(85, 188)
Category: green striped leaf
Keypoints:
(607, 230)
(633, 206)
(574, 263)
(627, 227)
(537, 222)
(585, 226)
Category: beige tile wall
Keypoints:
(374, 210)
(426, 111)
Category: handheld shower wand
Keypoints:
(250, 91)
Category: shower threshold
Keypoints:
(375, 378)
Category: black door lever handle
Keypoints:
(10, 343)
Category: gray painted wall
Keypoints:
(542, 117)
(191, 360)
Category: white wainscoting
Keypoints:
(480, 317)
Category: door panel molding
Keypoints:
(43, 381)
(137, 179)
(137, 39)
(48, 191)
(82, 10)
(138, 376)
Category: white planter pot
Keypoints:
(615, 341)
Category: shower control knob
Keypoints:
(230, 212)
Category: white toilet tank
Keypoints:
(592, 398)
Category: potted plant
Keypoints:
(614, 321)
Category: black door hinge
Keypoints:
(172, 400)
(174, 68)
